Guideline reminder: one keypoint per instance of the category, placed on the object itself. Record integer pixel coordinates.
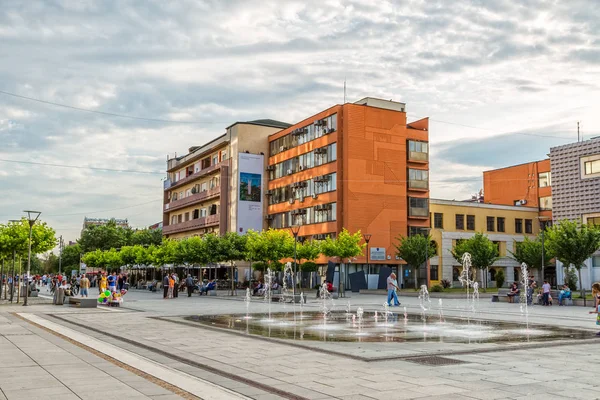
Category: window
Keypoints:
(205, 163)
(173, 219)
(215, 159)
(188, 192)
(593, 221)
(438, 220)
(433, 275)
(460, 221)
(203, 212)
(417, 230)
(187, 216)
(500, 224)
(418, 178)
(490, 224)
(418, 207)
(417, 151)
(223, 155)
(304, 216)
(203, 186)
(320, 156)
(196, 214)
(546, 203)
(179, 218)
(518, 225)
(528, 226)
(544, 179)
(304, 134)
(323, 184)
(592, 167)
(470, 222)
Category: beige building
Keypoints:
(202, 187)
(452, 221)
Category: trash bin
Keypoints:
(60, 297)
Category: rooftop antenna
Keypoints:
(344, 90)
(578, 131)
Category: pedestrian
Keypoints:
(531, 285)
(171, 287)
(84, 285)
(166, 286)
(189, 283)
(546, 293)
(392, 285)
(102, 284)
(120, 282)
(112, 282)
(176, 285)
(596, 296)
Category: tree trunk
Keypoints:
(581, 286)
(416, 280)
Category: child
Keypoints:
(596, 296)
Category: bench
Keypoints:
(287, 298)
(83, 302)
(212, 292)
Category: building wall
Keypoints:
(447, 236)
(251, 138)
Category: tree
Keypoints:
(415, 250)
(128, 255)
(104, 237)
(94, 259)
(572, 243)
(269, 246)
(71, 256)
(112, 259)
(530, 252)
(233, 247)
(346, 246)
(310, 250)
(194, 250)
(146, 237)
(167, 253)
(482, 250)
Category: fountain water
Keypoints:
(386, 312)
(441, 310)
(465, 276)
(348, 311)
(268, 278)
(405, 315)
(424, 300)
(525, 292)
(247, 300)
(475, 297)
(286, 292)
(301, 304)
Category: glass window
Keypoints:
(418, 207)
(417, 151)
(418, 178)
(593, 221)
(433, 275)
(490, 224)
(528, 226)
(438, 220)
(544, 179)
(546, 203)
(304, 134)
(470, 222)
(500, 224)
(417, 230)
(592, 167)
(460, 221)
(518, 225)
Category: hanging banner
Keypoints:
(250, 203)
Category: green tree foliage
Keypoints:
(104, 237)
(572, 243)
(94, 259)
(145, 255)
(309, 250)
(345, 247)
(194, 250)
(482, 250)
(128, 255)
(146, 237)
(111, 259)
(415, 250)
(500, 279)
(70, 257)
(530, 252)
(167, 253)
(308, 266)
(269, 246)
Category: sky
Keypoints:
(502, 81)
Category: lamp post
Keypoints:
(367, 237)
(60, 250)
(295, 230)
(32, 216)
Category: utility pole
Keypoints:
(543, 229)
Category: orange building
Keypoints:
(357, 166)
(526, 184)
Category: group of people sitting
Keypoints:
(544, 295)
(260, 288)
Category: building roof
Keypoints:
(458, 203)
(264, 122)
(517, 165)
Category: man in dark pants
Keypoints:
(165, 286)
(189, 282)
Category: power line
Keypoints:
(83, 167)
(169, 121)
(98, 211)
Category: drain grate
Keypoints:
(435, 361)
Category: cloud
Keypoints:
(502, 66)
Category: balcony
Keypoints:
(418, 156)
(418, 212)
(193, 199)
(419, 185)
(199, 174)
(193, 224)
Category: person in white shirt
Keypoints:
(546, 293)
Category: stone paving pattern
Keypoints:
(552, 372)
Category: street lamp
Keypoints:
(295, 230)
(367, 237)
(32, 216)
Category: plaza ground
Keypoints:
(49, 352)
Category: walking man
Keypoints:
(189, 283)
(392, 285)
(84, 285)
(546, 291)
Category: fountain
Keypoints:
(465, 276)
(325, 296)
(286, 293)
(424, 300)
(247, 300)
(301, 304)
(475, 297)
(524, 297)
(268, 289)
(441, 311)
(386, 312)
(405, 315)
